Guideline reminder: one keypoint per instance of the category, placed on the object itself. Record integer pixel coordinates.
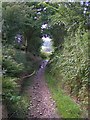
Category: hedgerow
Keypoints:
(70, 66)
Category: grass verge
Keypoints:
(67, 108)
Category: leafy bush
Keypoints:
(11, 66)
(16, 104)
(15, 62)
(70, 66)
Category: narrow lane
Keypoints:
(42, 105)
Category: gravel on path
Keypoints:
(41, 103)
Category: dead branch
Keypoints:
(29, 75)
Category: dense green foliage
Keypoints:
(18, 104)
(16, 64)
(12, 69)
(71, 68)
(69, 65)
(21, 18)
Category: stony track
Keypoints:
(42, 105)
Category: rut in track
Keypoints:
(42, 104)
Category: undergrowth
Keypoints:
(67, 108)
(15, 63)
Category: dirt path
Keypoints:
(42, 104)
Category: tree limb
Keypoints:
(29, 75)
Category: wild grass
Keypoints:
(67, 108)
